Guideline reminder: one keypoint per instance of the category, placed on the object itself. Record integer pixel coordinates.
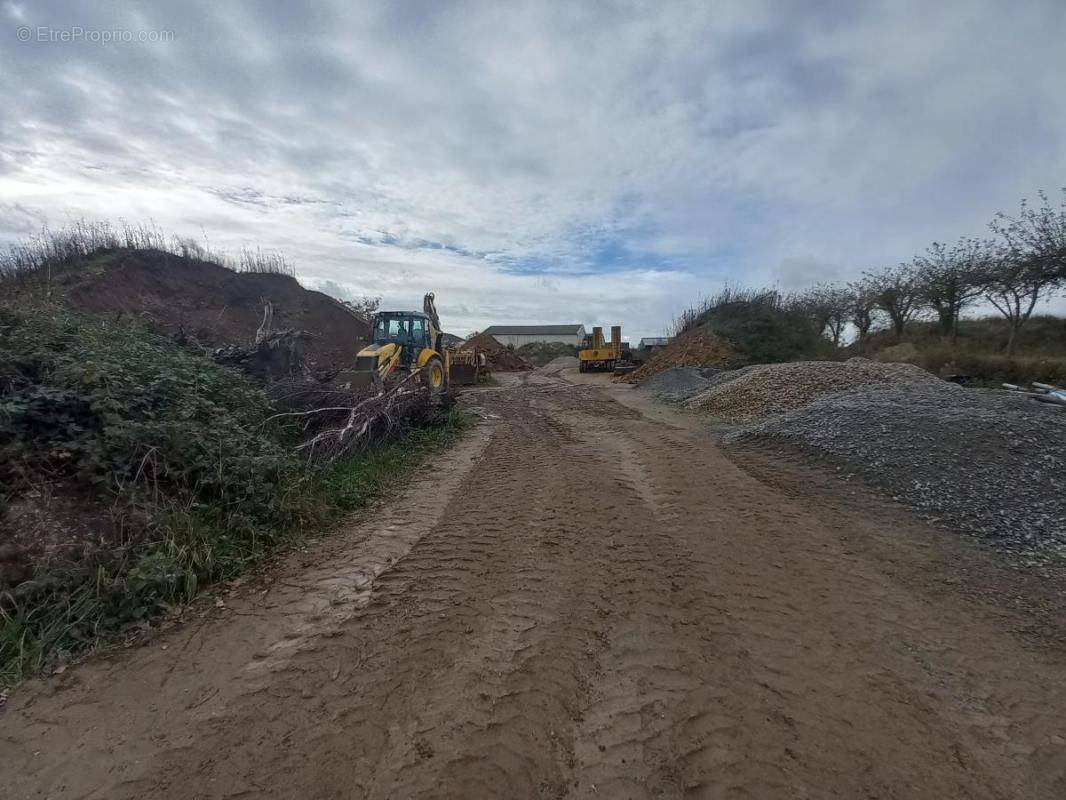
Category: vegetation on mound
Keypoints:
(736, 327)
(181, 288)
(36, 261)
(169, 461)
(763, 326)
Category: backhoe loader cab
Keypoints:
(403, 342)
(409, 329)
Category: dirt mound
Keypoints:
(696, 348)
(500, 358)
(540, 353)
(557, 365)
(765, 389)
(215, 305)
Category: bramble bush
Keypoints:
(198, 481)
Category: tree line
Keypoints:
(1022, 262)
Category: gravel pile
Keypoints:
(761, 390)
(557, 365)
(982, 461)
(678, 383)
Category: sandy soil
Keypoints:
(582, 601)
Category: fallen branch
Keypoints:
(339, 422)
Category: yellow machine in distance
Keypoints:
(404, 342)
(601, 355)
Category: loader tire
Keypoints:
(433, 375)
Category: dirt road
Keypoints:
(602, 604)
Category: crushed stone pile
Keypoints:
(678, 383)
(765, 389)
(695, 348)
(557, 365)
(499, 357)
(983, 461)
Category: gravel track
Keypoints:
(579, 602)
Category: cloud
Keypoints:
(797, 272)
(588, 162)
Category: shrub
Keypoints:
(764, 326)
(195, 481)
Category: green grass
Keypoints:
(180, 454)
(1041, 336)
(197, 547)
(352, 481)
(1040, 351)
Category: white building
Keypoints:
(519, 335)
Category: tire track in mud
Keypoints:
(812, 669)
(590, 604)
(479, 645)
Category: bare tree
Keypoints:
(896, 292)
(1038, 235)
(365, 306)
(951, 278)
(1014, 285)
(1032, 263)
(829, 306)
(862, 310)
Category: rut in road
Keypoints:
(603, 605)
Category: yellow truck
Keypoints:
(601, 355)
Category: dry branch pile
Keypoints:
(335, 422)
(275, 355)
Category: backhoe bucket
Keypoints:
(356, 380)
(462, 374)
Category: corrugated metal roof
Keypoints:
(533, 330)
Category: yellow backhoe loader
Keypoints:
(404, 342)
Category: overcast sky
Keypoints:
(537, 162)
